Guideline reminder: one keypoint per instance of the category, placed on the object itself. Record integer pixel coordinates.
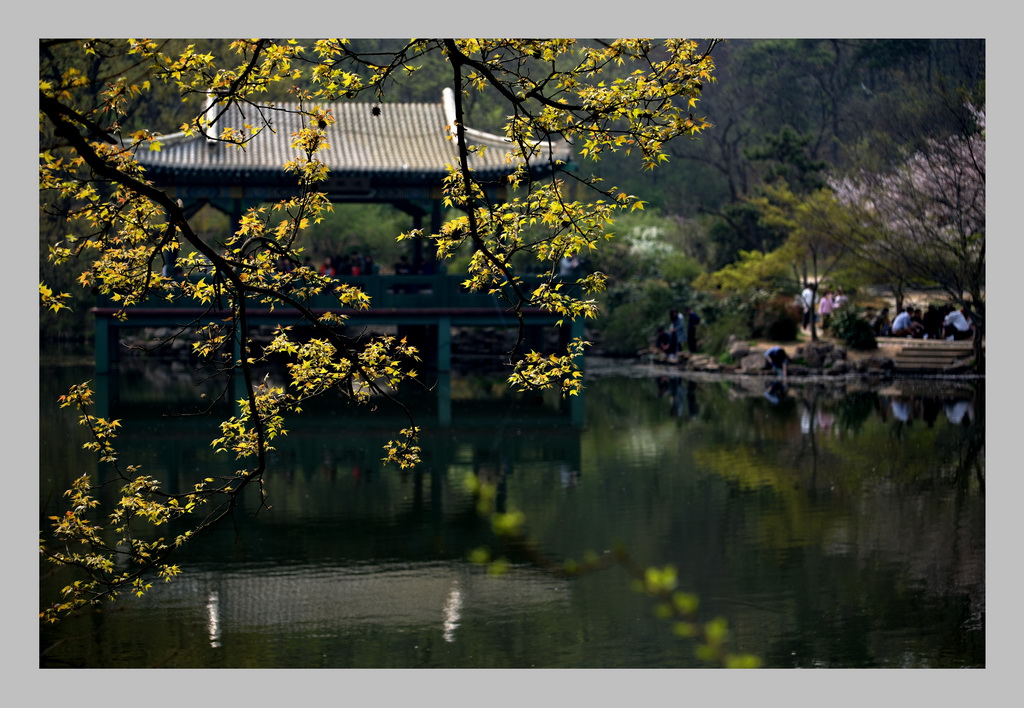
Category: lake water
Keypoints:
(832, 524)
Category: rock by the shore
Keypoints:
(818, 358)
(820, 354)
(737, 348)
(752, 363)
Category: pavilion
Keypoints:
(393, 153)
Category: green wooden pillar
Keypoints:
(435, 216)
(444, 345)
(106, 337)
(417, 243)
(576, 407)
(577, 331)
(444, 399)
(238, 389)
(102, 348)
(104, 394)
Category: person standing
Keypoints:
(807, 301)
(881, 324)
(568, 266)
(356, 265)
(840, 299)
(932, 323)
(676, 327)
(402, 267)
(692, 320)
(825, 307)
(170, 261)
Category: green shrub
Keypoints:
(631, 314)
(679, 267)
(855, 409)
(776, 319)
(723, 316)
(848, 324)
(627, 329)
(714, 333)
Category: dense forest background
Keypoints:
(798, 110)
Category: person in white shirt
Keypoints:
(807, 300)
(903, 326)
(956, 326)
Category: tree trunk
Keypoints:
(979, 351)
(975, 311)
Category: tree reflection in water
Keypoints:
(828, 529)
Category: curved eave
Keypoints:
(404, 143)
(276, 174)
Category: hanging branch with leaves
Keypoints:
(627, 95)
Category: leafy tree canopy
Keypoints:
(102, 102)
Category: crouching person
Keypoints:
(956, 326)
(778, 360)
(905, 326)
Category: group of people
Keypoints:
(905, 410)
(355, 264)
(946, 322)
(418, 267)
(682, 326)
(829, 301)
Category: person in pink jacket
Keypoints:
(825, 307)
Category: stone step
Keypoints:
(933, 354)
(925, 354)
(928, 360)
(918, 369)
(925, 359)
(924, 364)
(907, 342)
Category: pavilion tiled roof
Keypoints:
(404, 141)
